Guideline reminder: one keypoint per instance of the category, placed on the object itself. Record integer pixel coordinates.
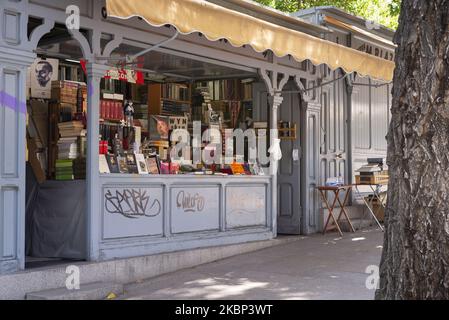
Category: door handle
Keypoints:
(339, 156)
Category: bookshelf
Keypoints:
(169, 99)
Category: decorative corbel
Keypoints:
(266, 78)
(91, 52)
(111, 45)
(305, 95)
(37, 34)
(349, 85)
(274, 86)
(282, 83)
(83, 42)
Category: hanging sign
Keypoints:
(122, 74)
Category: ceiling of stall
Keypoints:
(158, 66)
(172, 65)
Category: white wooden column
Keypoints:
(275, 101)
(92, 52)
(16, 55)
(13, 70)
(274, 87)
(94, 74)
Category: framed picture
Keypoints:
(42, 73)
(159, 128)
(153, 165)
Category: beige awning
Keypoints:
(359, 31)
(216, 23)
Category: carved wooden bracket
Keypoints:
(39, 32)
(306, 96)
(92, 52)
(274, 85)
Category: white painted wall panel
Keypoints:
(11, 27)
(361, 115)
(341, 115)
(12, 164)
(132, 211)
(379, 110)
(8, 206)
(195, 209)
(10, 125)
(245, 206)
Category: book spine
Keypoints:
(101, 108)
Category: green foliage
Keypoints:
(385, 12)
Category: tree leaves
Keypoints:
(385, 12)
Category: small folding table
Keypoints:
(336, 190)
(376, 196)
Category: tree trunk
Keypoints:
(415, 257)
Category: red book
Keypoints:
(116, 110)
(120, 114)
(111, 110)
(102, 107)
(108, 109)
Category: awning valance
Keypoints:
(216, 23)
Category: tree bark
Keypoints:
(415, 257)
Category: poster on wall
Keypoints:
(42, 73)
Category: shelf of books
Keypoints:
(220, 105)
(136, 123)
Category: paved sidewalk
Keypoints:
(315, 267)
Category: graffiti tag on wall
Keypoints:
(131, 203)
(190, 203)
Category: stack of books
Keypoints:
(172, 108)
(64, 170)
(67, 148)
(70, 128)
(79, 168)
(372, 173)
(65, 91)
(82, 98)
(68, 143)
(82, 145)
